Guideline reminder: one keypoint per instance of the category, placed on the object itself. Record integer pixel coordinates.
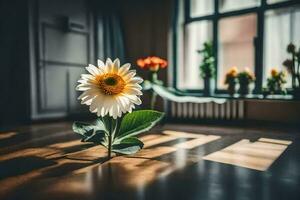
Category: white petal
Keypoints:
(135, 86)
(108, 61)
(82, 95)
(93, 106)
(87, 77)
(84, 87)
(136, 79)
(93, 70)
(134, 99)
(133, 91)
(87, 100)
(123, 102)
(100, 63)
(108, 65)
(124, 69)
(130, 74)
(105, 104)
(117, 63)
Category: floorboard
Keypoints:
(189, 162)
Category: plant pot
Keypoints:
(231, 89)
(208, 89)
(244, 89)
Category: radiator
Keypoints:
(232, 109)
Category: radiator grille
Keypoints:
(232, 109)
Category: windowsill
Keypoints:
(287, 97)
(256, 96)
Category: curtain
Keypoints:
(109, 33)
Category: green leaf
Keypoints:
(138, 122)
(82, 128)
(96, 137)
(95, 133)
(147, 85)
(128, 146)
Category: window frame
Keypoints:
(215, 18)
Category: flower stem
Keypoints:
(111, 127)
(109, 145)
(153, 100)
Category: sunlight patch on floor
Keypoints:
(159, 139)
(259, 155)
(181, 134)
(197, 142)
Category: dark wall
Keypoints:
(14, 62)
(146, 25)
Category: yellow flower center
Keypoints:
(111, 84)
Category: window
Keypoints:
(195, 35)
(281, 27)
(245, 33)
(236, 44)
(230, 5)
(201, 7)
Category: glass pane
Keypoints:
(195, 35)
(230, 5)
(275, 1)
(201, 7)
(281, 27)
(236, 44)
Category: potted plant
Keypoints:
(275, 82)
(153, 64)
(207, 67)
(293, 67)
(245, 78)
(231, 80)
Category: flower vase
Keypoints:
(231, 88)
(244, 89)
(153, 79)
(207, 86)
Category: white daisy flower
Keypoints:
(110, 89)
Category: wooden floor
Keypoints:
(187, 162)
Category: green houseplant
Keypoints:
(275, 82)
(207, 67)
(293, 67)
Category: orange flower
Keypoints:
(274, 72)
(140, 63)
(152, 63)
(233, 71)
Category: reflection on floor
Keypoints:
(7, 135)
(52, 161)
(257, 155)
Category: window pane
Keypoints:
(236, 44)
(230, 5)
(281, 27)
(275, 1)
(201, 7)
(195, 35)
